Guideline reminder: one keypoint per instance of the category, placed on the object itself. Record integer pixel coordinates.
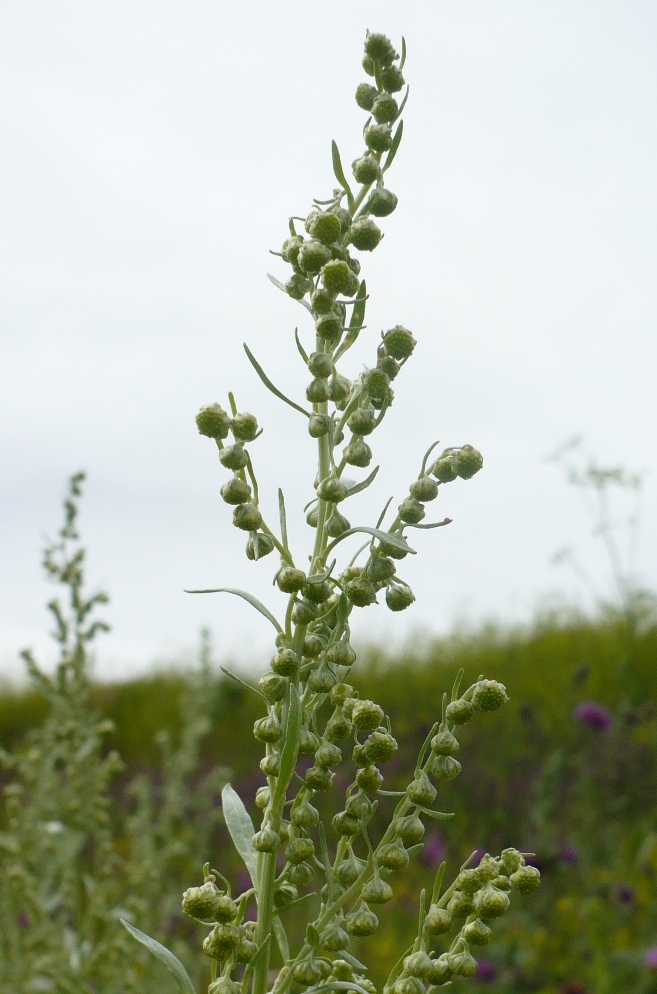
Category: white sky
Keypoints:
(151, 155)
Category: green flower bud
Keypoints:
(409, 829)
(304, 815)
(200, 903)
(333, 939)
(362, 921)
(488, 868)
(365, 170)
(418, 965)
(290, 250)
(262, 797)
(477, 933)
(380, 747)
(357, 453)
(389, 365)
(267, 729)
(213, 422)
(469, 881)
(383, 202)
(341, 970)
(460, 905)
(319, 778)
(341, 653)
(297, 286)
(320, 364)
(501, 882)
(289, 579)
(411, 511)
(385, 400)
(359, 805)
(440, 972)
(408, 985)
(378, 137)
(379, 48)
(318, 593)
(226, 909)
(312, 256)
(491, 902)
(377, 891)
(258, 546)
(348, 871)
(247, 517)
(369, 778)
(489, 695)
(392, 79)
(317, 392)
(392, 856)
(300, 850)
(399, 596)
(345, 824)
(322, 679)
(366, 716)
(328, 754)
(365, 235)
(221, 941)
(301, 874)
(319, 424)
(511, 860)
(459, 711)
(379, 569)
(273, 687)
(338, 727)
(437, 921)
(323, 225)
(467, 461)
(344, 217)
(525, 879)
(224, 985)
(321, 302)
(444, 768)
(244, 427)
(443, 469)
(463, 964)
(233, 457)
(424, 489)
(444, 744)
(271, 764)
(337, 524)
(366, 95)
(391, 550)
(340, 388)
(360, 592)
(329, 327)
(305, 973)
(266, 840)
(362, 421)
(312, 646)
(308, 742)
(312, 517)
(421, 790)
(385, 109)
(375, 382)
(336, 276)
(368, 66)
(236, 491)
(284, 894)
(358, 755)
(285, 662)
(399, 342)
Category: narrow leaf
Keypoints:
(396, 141)
(352, 961)
(383, 512)
(277, 283)
(243, 683)
(414, 850)
(312, 935)
(339, 172)
(253, 962)
(270, 386)
(438, 815)
(282, 516)
(426, 456)
(291, 747)
(457, 684)
(320, 577)
(395, 540)
(165, 956)
(403, 53)
(425, 746)
(355, 323)
(403, 103)
(281, 938)
(432, 524)
(241, 829)
(253, 601)
(438, 883)
(302, 351)
(356, 489)
(326, 860)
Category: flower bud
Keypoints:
(305, 973)
(488, 868)
(233, 457)
(273, 687)
(469, 881)
(365, 170)
(329, 327)
(357, 453)
(312, 256)
(444, 767)
(489, 695)
(297, 286)
(408, 985)
(244, 427)
(399, 596)
(392, 79)
(319, 425)
(201, 903)
(399, 342)
(409, 829)
(258, 546)
(383, 202)
(392, 856)
(463, 964)
(391, 550)
(421, 790)
(360, 591)
(444, 744)
(221, 941)
(266, 840)
(303, 613)
(385, 109)
(320, 364)
(262, 797)
(308, 742)
(418, 965)
(501, 882)
(477, 933)
(224, 985)
(267, 729)
(375, 382)
(460, 905)
(459, 711)
(525, 879)
(333, 939)
(366, 95)
(341, 653)
(511, 860)
(300, 850)
(438, 920)
(290, 250)
(236, 491)
(285, 662)
(378, 137)
(365, 235)
(337, 524)
(322, 679)
(338, 726)
(385, 400)
(345, 824)
(377, 891)
(323, 225)
(379, 568)
(366, 715)
(289, 579)
(213, 422)
(336, 275)
(362, 921)
(467, 461)
(362, 421)
(328, 754)
(379, 48)
(317, 392)
(440, 972)
(301, 874)
(380, 747)
(284, 894)
(411, 511)
(424, 489)
(341, 970)
(491, 902)
(318, 593)
(271, 764)
(319, 778)
(312, 646)
(443, 469)
(312, 517)
(369, 778)
(304, 815)
(247, 517)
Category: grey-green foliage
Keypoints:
(71, 862)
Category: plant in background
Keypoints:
(310, 707)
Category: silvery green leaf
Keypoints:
(355, 323)
(246, 596)
(241, 829)
(312, 935)
(414, 850)
(352, 961)
(392, 152)
(268, 383)
(339, 172)
(438, 883)
(243, 683)
(277, 283)
(165, 956)
(438, 815)
(426, 456)
(291, 747)
(403, 53)
(358, 487)
(251, 965)
(395, 540)
(320, 577)
(281, 937)
(302, 351)
(432, 524)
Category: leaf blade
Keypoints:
(241, 829)
(165, 956)
(392, 152)
(386, 537)
(291, 747)
(339, 171)
(270, 386)
(246, 596)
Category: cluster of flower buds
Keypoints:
(231, 938)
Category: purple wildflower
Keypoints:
(593, 716)
(486, 971)
(434, 851)
(569, 855)
(650, 957)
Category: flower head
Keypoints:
(593, 716)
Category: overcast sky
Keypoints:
(151, 155)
